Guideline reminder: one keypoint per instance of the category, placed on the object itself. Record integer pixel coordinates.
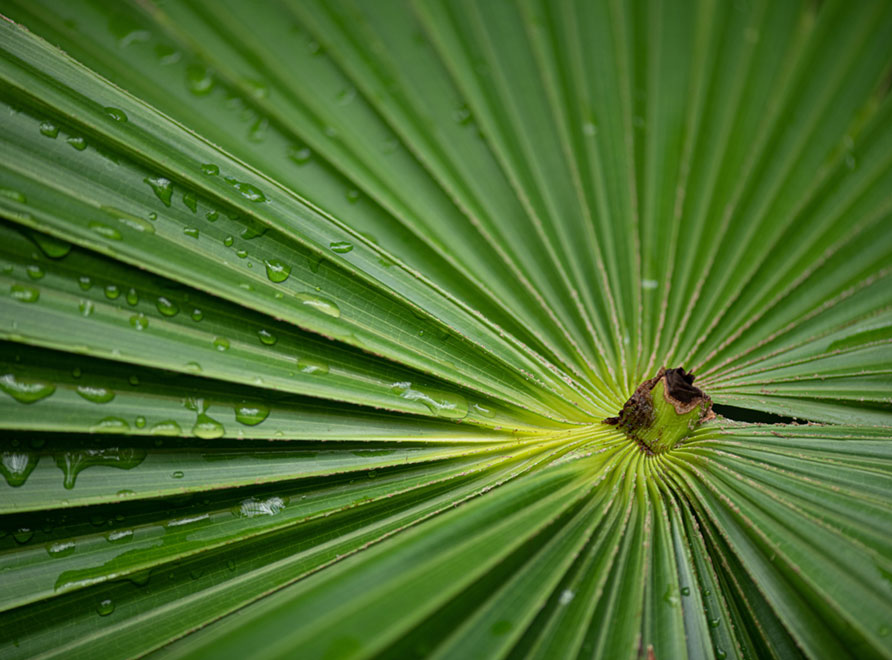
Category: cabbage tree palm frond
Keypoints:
(315, 310)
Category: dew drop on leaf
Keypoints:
(341, 247)
(49, 129)
(207, 428)
(311, 366)
(95, 394)
(25, 390)
(166, 307)
(104, 230)
(77, 142)
(116, 113)
(320, 304)
(168, 427)
(105, 607)
(251, 414)
(162, 187)
(22, 535)
(277, 271)
(35, 272)
(266, 337)
(139, 322)
(17, 465)
(23, 293)
(54, 248)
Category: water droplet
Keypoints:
(133, 379)
(23, 293)
(105, 231)
(207, 428)
(589, 129)
(162, 187)
(212, 216)
(311, 366)
(671, 596)
(120, 535)
(166, 306)
(139, 322)
(330, 131)
(197, 315)
(178, 474)
(22, 535)
(253, 506)
(210, 169)
(132, 296)
(17, 465)
(685, 591)
(25, 390)
(116, 113)
(714, 623)
(35, 272)
(140, 422)
(60, 549)
(649, 284)
(248, 191)
(483, 412)
(49, 129)
(341, 247)
(251, 414)
(84, 282)
(168, 427)
(230, 564)
(443, 404)
(192, 232)
(221, 344)
(193, 367)
(266, 337)
(72, 463)
(111, 425)
(95, 394)
(199, 80)
(76, 372)
(77, 142)
(566, 596)
(720, 654)
(190, 201)
(86, 307)
(105, 607)
(112, 292)
(320, 304)
(299, 154)
(54, 248)
(277, 271)
(353, 195)
(133, 222)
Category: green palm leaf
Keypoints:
(314, 311)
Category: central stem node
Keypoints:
(663, 411)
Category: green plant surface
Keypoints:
(312, 311)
